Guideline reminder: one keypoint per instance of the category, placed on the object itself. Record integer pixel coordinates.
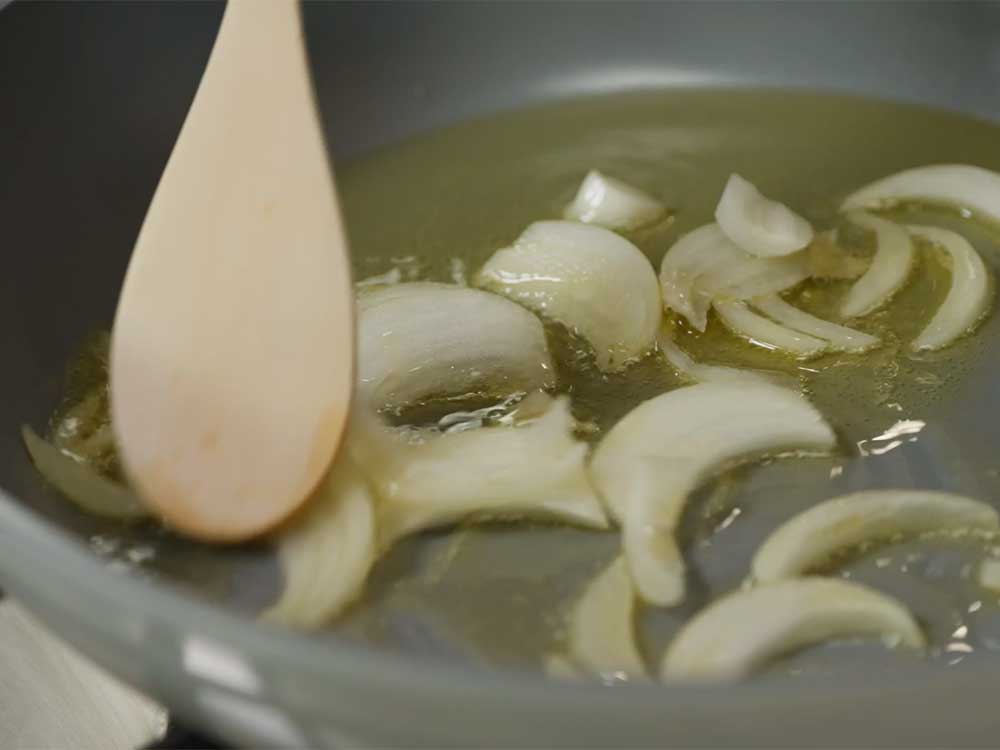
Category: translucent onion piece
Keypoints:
(611, 203)
(327, 550)
(744, 322)
(419, 340)
(535, 470)
(989, 574)
(704, 265)
(701, 372)
(814, 536)
(960, 185)
(742, 631)
(840, 338)
(601, 627)
(650, 462)
(889, 268)
(757, 224)
(92, 492)
(587, 278)
(967, 297)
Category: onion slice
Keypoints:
(648, 463)
(419, 340)
(601, 628)
(889, 268)
(839, 338)
(960, 185)
(327, 550)
(742, 631)
(741, 320)
(814, 536)
(90, 491)
(587, 278)
(968, 295)
(535, 470)
(757, 224)
(700, 372)
(611, 203)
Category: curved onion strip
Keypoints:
(535, 470)
(700, 372)
(649, 462)
(601, 627)
(840, 338)
(587, 278)
(611, 203)
(419, 340)
(756, 277)
(92, 492)
(968, 295)
(989, 575)
(812, 537)
(742, 631)
(326, 551)
(889, 268)
(757, 224)
(960, 185)
(743, 321)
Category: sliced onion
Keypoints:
(744, 322)
(757, 224)
(699, 372)
(968, 296)
(839, 338)
(649, 463)
(989, 574)
(419, 340)
(601, 628)
(589, 279)
(611, 203)
(814, 536)
(962, 185)
(744, 630)
(889, 268)
(92, 492)
(531, 471)
(327, 550)
(704, 265)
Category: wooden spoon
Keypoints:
(233, 346)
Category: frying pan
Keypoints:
(93, 97)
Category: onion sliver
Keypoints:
(968, 295)
(648, 463)
(813, 537)
(611, 203)
(757, 224)
(741, 320)
(535, 470)
(92, 492)
(419, 340)
(700, 372)
(327, 550)
(740, 632)
(889, 268)
(587, 278)
(960, 185)
(840, 338)
(601, 628)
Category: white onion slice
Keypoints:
(889, 268)
(327, 550)
(757, 224)
(648, 463)
(960, 185)
(742, 631)
(587, 278)
(535, 470)
(968, 295)
(989, 575)
(601, 628)
(700, 372)
(840, 338)
(814, 536)
(741, 320)
(704, 265)
(611, 203)
(419, 340)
